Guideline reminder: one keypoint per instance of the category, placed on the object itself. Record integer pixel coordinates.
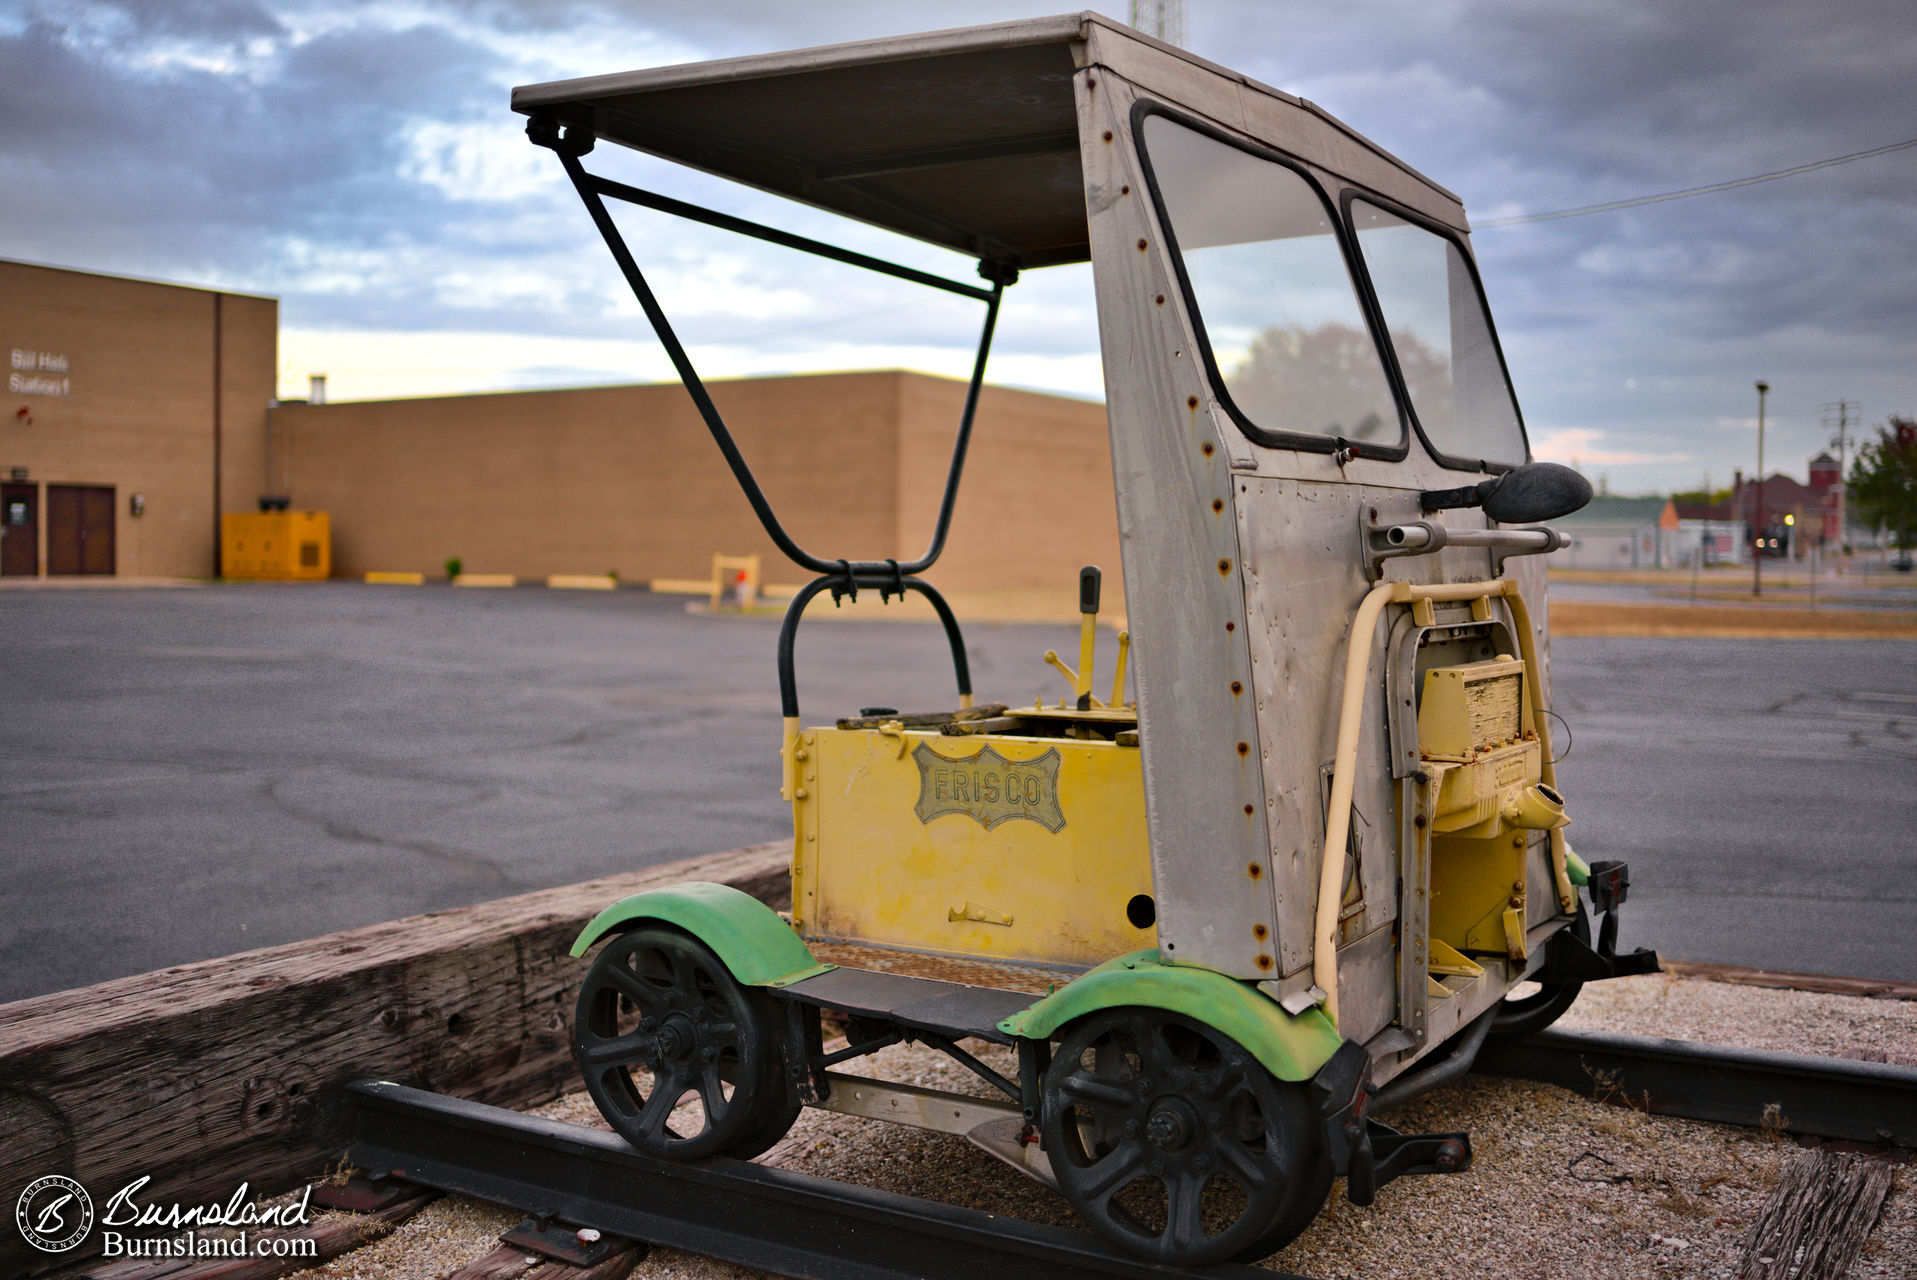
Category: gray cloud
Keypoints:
(219, 21)
(358, 160)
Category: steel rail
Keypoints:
(789, 1223)
(1795, 1093)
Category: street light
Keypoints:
(1757, 524)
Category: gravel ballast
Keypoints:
(1561, 1188)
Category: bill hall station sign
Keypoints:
(38, 373)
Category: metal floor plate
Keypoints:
(925, 1004)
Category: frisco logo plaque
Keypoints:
(988, 788)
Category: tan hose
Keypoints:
(1331, 868)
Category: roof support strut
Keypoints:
(842, 577)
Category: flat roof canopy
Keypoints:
(965, 138)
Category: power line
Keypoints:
(1696, 191)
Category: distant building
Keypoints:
(1709, 527)
(139, 413)
(135, 417)
(1619, 533)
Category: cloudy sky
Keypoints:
(356, 159)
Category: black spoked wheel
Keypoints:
(1172, 1141)
(681, 1060)
(1532, 1006)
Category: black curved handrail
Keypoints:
(887, 584)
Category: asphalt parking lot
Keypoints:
(187, 773)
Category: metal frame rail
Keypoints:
(842, 577)
(1869, 1102)
(788, 1223)
(798, 1225)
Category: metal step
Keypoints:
(947, 1009)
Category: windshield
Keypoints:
(1442, 336)
(1274, 298)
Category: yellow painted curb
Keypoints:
(583, 581)
(397, 579)
(681, 586)
(485, 580)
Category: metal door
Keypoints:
(79, 529)
(1242, 509)
(19, 530)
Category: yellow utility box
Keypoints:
(276, 544)
(972, 846)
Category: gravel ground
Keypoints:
(1561, 1188)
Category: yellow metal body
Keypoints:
(1485, 766)
(1466, 709)
(276, 545)
(995, 846)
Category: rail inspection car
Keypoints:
(1320, 855)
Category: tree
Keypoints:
(1327, 380)
(1883, 480)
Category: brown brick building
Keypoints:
(135, 414)
(127, 388)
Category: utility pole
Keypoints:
(1844, 409)
(1164, 19)
(1757, 522)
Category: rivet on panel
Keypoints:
(1259, 931)
(1244, 748)
(1191, 402)
(1141, 244)
(1237, 687)
(1160, 299)
(1217, 504)
(1250, 809)
(1205, 448)
(1231, 626)
(1224, 566)
(1108, 135)
(1125, 190)
(1253, 870)
(1264, 962)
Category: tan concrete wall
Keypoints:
(1036, 502)
(628, 479)
(584, 481)
(138, 414)
(249, 360)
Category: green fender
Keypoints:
(746, 935)
(1576, 868)
(1291, 1048)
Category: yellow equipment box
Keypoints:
(973, 846)
(276, 544)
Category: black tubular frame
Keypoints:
(842, 577)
